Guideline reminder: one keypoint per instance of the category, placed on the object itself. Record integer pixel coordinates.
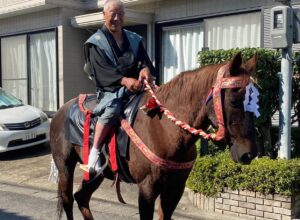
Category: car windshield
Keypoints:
(8, 101)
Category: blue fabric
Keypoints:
(109, 108)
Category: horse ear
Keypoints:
(235, 64)
(251, 64)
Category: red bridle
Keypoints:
(224, 83)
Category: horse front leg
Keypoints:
(146, 200)
(84, 194)
(169, 198)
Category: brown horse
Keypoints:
(185, 96)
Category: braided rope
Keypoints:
(177, 122)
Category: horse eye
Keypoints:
(236, 104)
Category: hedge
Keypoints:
(213, 173)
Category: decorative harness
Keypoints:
(221, 83)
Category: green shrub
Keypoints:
(212, 173)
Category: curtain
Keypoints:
(235, 31)
(43, 71)
(14, 66)
(180, 46)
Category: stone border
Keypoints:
(247, 204)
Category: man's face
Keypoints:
(114, 17)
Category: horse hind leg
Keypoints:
(84, 194)
(65, 186)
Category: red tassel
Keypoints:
(86, 147)
(112, 152)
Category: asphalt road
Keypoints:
(26, 193)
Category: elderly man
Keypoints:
(118, 63)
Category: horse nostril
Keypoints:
(246, 158)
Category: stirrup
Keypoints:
(85, 167)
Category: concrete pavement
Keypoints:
(28, 170)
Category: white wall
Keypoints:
(175, 9)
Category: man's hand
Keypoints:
(146, 74)
(131, 84)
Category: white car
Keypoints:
(21, 125)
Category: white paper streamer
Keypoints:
(251, 99)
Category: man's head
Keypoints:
(113, 12)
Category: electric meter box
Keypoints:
(281, 26)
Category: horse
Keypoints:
(186, 96)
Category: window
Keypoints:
(28, 67)
(180, 46)
(234, 31)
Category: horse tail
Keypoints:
(53, 177)
(59, 207)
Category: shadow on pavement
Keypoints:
(30, 152)
(9, 215)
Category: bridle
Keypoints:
(224, 83)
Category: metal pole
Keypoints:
(286, 100)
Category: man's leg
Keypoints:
(101, 133)
(109, 110)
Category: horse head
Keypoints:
(234, 123)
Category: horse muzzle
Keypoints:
(243, 152)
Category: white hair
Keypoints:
(108, 2)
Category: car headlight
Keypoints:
(43, 117)
(3, 127)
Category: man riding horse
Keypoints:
(118, 61)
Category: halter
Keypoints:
(221, 83)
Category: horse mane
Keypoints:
(188, 83)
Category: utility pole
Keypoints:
(282, 35)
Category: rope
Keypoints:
(177, 122)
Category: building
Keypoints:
(42, 40)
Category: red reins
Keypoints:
(221, 83)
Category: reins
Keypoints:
(221, 83)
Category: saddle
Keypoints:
(74, 129)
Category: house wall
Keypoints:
(75, 81)
(176, 9)
(4, 3)
(30, 22)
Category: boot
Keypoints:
(101, 133)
